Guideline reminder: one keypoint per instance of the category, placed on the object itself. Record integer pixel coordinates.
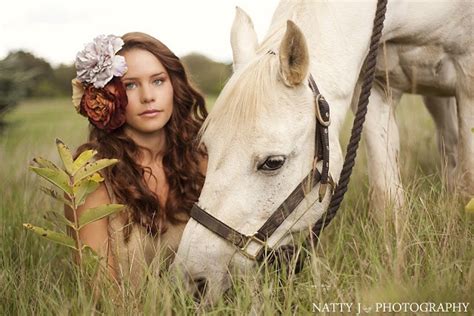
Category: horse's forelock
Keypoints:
(246, 95)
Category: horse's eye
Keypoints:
(272, 163)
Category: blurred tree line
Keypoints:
(24, 75)
(208, 75)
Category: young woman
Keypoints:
(144, 112)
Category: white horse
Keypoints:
(260, 134)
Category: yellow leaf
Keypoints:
(57, 177)
(96, 177)
(56, 237)
(82, 189)
(91, 168)
(470, 206)
(44, 163)
(66, 156)
(83, 159)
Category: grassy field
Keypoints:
(358, 261)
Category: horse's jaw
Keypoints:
(191, 268)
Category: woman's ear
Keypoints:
(243, 39)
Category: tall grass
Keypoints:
(357, 261)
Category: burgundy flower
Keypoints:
(105, 107)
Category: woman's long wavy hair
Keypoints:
(180, 161)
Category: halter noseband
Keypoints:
(314, 177)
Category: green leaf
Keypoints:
(82, 189)
(91, 168)
(91, 260)
(66, 156)
(470, 206)
(83, 159)
(45, 163)
(56, 237)
(57, 218)
(57, 177)
(96, 213)
(57, 196)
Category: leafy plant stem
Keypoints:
(76, 230)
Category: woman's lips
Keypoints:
(150, 113)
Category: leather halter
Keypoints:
(314, 177)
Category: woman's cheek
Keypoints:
(170, 97)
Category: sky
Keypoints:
(57, 29)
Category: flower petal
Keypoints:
(77, 93)
(97, 63)
(119, 66)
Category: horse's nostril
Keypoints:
(201, 287)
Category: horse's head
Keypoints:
(260, 140)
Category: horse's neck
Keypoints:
(337, 35)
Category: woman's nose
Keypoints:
(147, 95)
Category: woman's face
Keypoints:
(149, 91)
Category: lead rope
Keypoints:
(287, 252)
(349, 161)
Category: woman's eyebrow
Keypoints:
(135, 78)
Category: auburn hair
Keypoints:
(181, 160)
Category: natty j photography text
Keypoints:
(392, 307)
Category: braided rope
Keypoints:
(349, 161)
(281, 257)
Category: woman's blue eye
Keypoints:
(130, 85)
(158, 82)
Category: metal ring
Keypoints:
(318, 112)
(254, 238)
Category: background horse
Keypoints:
(260, 134)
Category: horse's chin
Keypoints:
(215, 291)
(205, 288)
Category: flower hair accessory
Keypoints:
(98, 93)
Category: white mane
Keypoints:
(243, 99)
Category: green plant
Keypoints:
(78, 179)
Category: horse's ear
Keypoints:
(294, 56)
(242, 38)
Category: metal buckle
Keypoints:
(318, 112)
(247, 243)
(324, 186)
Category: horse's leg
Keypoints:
(443, 111)
(383, 147)
(386, 190)
(465, 107)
